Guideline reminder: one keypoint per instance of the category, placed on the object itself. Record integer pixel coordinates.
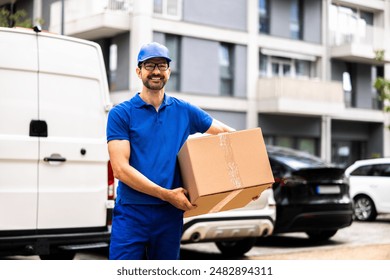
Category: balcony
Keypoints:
(359, 44)
(299, 96)
(89, 19)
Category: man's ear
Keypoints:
(138, 71)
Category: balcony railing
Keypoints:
(300, 89)
(300, 95)
(360, 34)
(91, 19)
(75, 9)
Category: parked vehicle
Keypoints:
(369, 182)
(55, 188)
(234, 231)
(311, 196)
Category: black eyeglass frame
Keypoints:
(154, 67)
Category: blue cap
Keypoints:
(153, 50)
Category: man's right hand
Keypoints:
(178, 198)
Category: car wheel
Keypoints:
(321, 235)
(68, 255)
(364, 209)
(236, 248)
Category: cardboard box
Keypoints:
(224, 171)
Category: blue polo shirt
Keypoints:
(155, 139)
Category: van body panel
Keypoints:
(53, 184)
(18, 50)
(72, 104)
(65, 56)
(18, 151)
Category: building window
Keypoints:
(173, 44)
(263, 65)
(377, 101)
(305, 144)
(113, 66)
(302, 68)
(296, 19)
(367, 17)
(264, 16)
(226, 69)
(168, 8)
(284, 141)
(345, 152)
(281, 67)
(276, 66)
(347, 89)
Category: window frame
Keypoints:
(164, 13)
(175, 77)
(266, 63)
(296, 19)
(295, 142)
(229, 79)
(264, 16)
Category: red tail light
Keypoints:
(111, 182)
(110, 193)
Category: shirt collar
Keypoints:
(139, 103)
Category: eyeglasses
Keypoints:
(151, 66)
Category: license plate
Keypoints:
(327, 189)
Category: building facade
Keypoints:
(302, 70)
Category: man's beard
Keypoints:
(148, 83)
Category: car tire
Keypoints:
(364, 208)
(321, 235)
(236, 248)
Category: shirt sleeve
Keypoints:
(200, 121)
(117, 125)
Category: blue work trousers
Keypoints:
(146, 231)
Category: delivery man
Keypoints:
(144, 135)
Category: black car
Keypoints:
(311, 196)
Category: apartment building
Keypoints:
(302, 70)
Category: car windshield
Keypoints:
(295, 159)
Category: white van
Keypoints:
(55, 188)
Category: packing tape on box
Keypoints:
(233, 171)
(232, 167)
(224, 201)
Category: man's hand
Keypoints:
(178, 198)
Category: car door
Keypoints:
(19, 137)
(73, 157)
(359, 181)
(380, 182)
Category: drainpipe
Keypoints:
(37, 12)
(62, 16)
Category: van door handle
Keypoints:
(56, 158)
